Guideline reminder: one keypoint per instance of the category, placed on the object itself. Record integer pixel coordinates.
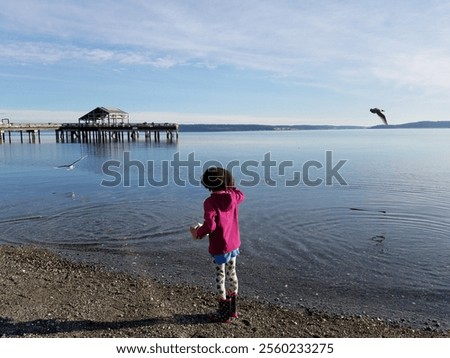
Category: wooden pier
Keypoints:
(31, 131)
(98, 133)
(90, 132)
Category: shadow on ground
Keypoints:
(42, 327)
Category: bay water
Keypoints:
(348, 221)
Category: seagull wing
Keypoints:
(383, 117)
(76, 161)
(71, 164)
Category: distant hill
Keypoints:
(266, 127)
(421, 124)
(256, 127)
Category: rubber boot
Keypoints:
(223, 313)
(233, 304)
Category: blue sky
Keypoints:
(234, 61)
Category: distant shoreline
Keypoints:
(268, 127)
(224, 127)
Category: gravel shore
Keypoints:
(45, 295)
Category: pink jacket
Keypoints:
(221, 221)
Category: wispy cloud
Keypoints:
(283, 36)
(427, 70)
(50, 53)
(341, 46)
(38, 52)
(277, 36)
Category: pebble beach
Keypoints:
(46, 295)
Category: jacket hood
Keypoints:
(223, 200)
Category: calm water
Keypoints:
(375, 239)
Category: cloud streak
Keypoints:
(344, 47)
(50, 53)
(282, 36)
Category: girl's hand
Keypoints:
(194, 231)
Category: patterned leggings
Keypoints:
(227, 270)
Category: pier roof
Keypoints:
(109, 115)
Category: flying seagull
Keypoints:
(71, 166)
(380, 114)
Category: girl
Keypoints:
(221, 224)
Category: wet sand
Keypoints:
(44, 295)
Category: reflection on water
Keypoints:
(381, 242)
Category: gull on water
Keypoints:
(71, 166)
